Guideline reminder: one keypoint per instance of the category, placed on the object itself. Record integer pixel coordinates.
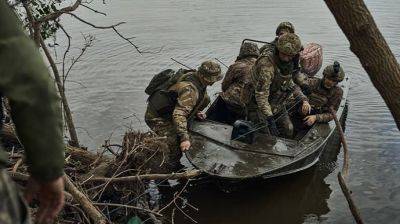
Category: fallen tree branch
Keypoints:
(85, 202)
(345, 170)
(350, 201)
(128, 206)
(172, 176)
(345, 167)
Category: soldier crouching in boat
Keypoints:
(324, 94)
(235, 92)
(170, 118)
(272, 84)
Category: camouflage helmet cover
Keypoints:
(334, 72)
(284, 26)
(289, 43)
(210, 71)
(249, 49)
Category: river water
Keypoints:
(112, 77)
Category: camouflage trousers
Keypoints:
(283, 122)
(12, 207)
(164, 127)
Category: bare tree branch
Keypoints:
(88, 43)
(91, 24)
(58, 13)
(94, 10)
(66, 51)
(110, 27)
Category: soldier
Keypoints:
(191, 99)
(324, 94)
(36, 113)
(272, 85)
(283, 27)
(234, 85)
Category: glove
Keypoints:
(272, 126)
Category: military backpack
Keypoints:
(161, 99)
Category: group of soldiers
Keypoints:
(261, 86)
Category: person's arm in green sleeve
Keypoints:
(36, 113)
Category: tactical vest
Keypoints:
(319, 96)
(281, 84)
(163, 101)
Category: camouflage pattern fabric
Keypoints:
(164, 128)
(248, 49)
(287, 26)
(272, 86)
(235, 91)
(289, 44)
(210, 71)
(268, 48)
(12, 208)
(321, 98)
(329, 72)
(187, 100)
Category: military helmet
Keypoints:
(289, 43)
(284, 26)
(210, 71)
(334, 72)
(249, 49)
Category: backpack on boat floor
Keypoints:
(161, 99)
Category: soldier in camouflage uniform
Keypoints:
(191, 100)
(324, 94)
(36, 113)
(237, 79)
(272, 85)
(283, 27)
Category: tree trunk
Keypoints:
(68, 115)
(35, 28)
(368, 44)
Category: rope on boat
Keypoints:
(345, 170)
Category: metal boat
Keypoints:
(216, 154)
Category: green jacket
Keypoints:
(25, 81)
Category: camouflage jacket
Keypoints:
(25, 81)
(268, 48)
(190, 100)
(235, 84)
(272, 84)
(321, 98)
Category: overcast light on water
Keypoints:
(114, 76)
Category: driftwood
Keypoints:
(85, 202)
(172, 176)
(345, 170)
(106, 181)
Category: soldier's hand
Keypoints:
(306, 108)
(310, 120)
(185, 145)
(50, 196)
(201, 116)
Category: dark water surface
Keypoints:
(115, 75)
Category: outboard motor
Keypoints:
(243, 131)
